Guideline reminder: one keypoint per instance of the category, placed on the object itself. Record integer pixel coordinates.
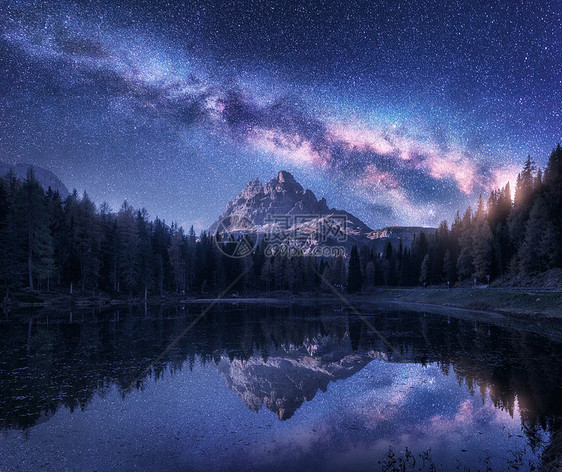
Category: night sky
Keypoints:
(400, 112)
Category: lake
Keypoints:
(265, 387)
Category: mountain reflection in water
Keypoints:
(277, 357)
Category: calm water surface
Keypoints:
(274, 388)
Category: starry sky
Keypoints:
(399, 112)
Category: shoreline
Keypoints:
(523, 304)
(500, 301)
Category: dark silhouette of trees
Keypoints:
(354, 272)
(46, 242)
(501, 237)
(30, 228)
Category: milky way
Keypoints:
(400, 112)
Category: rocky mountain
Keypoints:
(283, 195)
(45, 177)
(291, 375)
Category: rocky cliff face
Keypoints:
(45, 177)
(404, 232)
(283, 195)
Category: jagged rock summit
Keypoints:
(283, 195)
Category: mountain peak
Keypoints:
(283, 195)
(284, 176)
(253, 187)
(253, 183)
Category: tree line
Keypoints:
(503, 236)
(48, 243)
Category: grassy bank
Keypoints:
(504, 301)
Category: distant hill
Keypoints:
(45, 177)
(397, 235)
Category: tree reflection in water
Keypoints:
(279, 357)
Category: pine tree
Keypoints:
(161, 235)
(425, 270)
(481, 243)
(267, 274)
(388, 265)
(327, 277)
(521, 206)
(59, 232)
(553, 197)
(364, 257)
(107, 254)
(4, 203)
(370, 274)
(311, 276)
(12, 253)
(279, 263)
(354, 272)
(539, 244)
(145, 256)
(502, 249)
(31, 214)
(405, 270)
(482, 249)
(128, 239)
(211, 259)
(190, 268)
(449, 268)
(289, 275)
(72, 264)
(87, 239)
(465, 265)
(159, 273)
(176, 260)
